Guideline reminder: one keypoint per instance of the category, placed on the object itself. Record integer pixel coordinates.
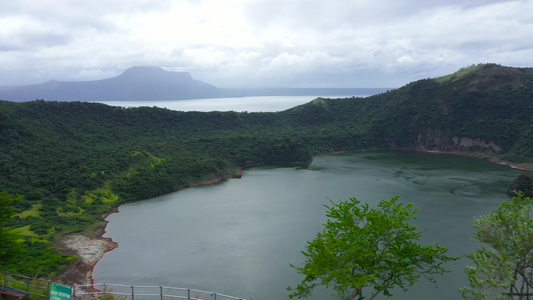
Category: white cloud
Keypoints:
(262, 42)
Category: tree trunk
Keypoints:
(355, 294)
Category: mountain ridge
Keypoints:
(148, 83)
(134, 84)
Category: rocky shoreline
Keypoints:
(89, 250)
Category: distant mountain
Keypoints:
(154, 83)
(135, 84)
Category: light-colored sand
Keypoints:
(90, 250)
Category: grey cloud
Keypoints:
(97, 8)
(72, 15)
(330, 14)
(30, 41)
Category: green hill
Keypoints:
(76, 161)
(483, 110)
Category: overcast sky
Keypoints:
(262, 43)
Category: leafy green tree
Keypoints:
(504, 265)
(8, 239)
(368, 247)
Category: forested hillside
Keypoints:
(75, 161)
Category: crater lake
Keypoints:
(238, 236)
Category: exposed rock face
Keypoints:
(436, 140)
(468, 143)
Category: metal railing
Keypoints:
(33, 286)
(126, 292)
(104, 291)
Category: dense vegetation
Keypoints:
(523, 183)
(75, 161)
(503, 265)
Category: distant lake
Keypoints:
(238, 237)
(240, 104)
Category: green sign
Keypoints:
(59, 292)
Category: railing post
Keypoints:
(215, 296)
(105, 291)
(161, 292)
(188, 294)
(132, 293)
(6, 278)
(48, 287)
(73, 292)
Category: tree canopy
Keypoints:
(523, 183)
(503, 266)
(363, 247)
(8, 238)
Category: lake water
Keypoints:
(239, 104)
(237, 237)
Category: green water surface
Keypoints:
(238, 237)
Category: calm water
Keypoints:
(238, 237)
(239, 104)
